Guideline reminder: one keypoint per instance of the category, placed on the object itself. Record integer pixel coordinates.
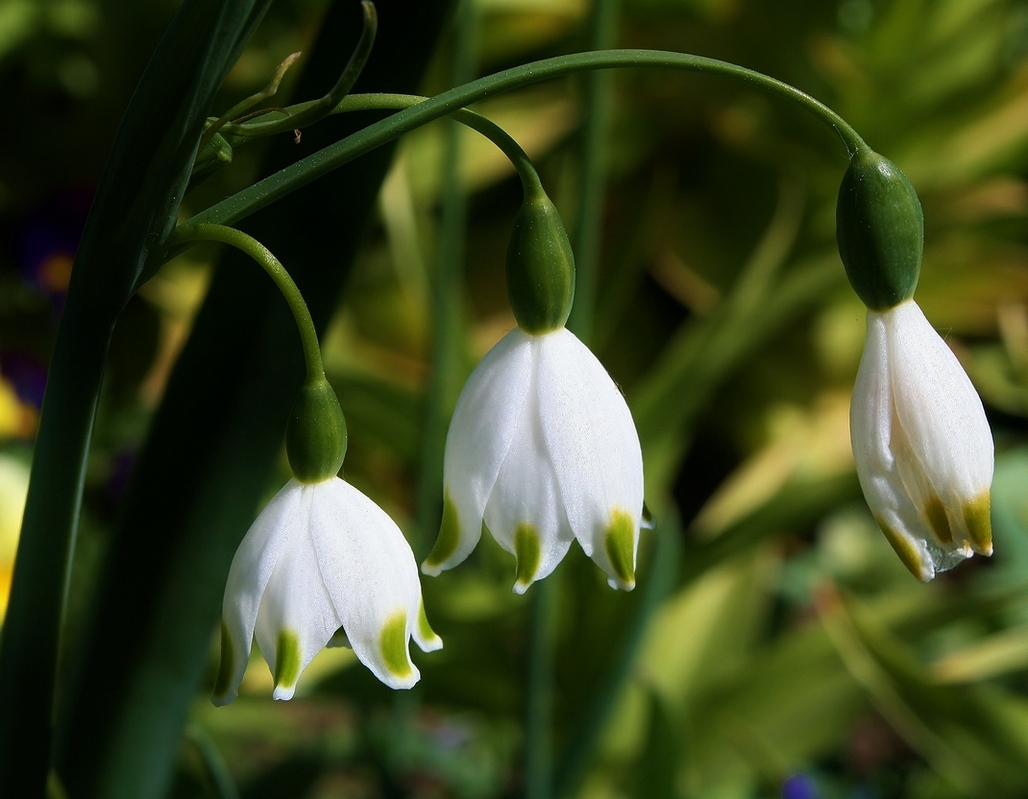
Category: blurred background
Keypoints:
(785, 651)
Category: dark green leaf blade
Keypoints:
(214, 441)
(135, 206)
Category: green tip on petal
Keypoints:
(425, 631)
(447, 540)
(979, 523)
(619, 543)
(223, 684)
(393, 645)
(287, 664)
(907, 552)
(938, 521)
(528, 552)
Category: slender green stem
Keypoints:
(274, 187)
(661, 580)
(392, 102)
(263, 256)
(245, 105)
(298, 116)
(589, 220)
(539, 717)
(316, 110)
(446, 303)
(218, 776)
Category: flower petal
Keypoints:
(871, 435)
(248, 576)
(594, 448)
(371, 576)
(481, 432)
(525, 512)
(297, 616)
(945, 426)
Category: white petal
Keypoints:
(871, 435)
(370, 573)
(481, 431)
(943, 422)
(594, 448)
(921, 443)
(297, 617)
(248, 576)
(525, 512)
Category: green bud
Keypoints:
(540, 267)
(880, 230)
(316, 435)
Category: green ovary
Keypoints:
(393, 645)
(619, 543)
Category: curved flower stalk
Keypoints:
(921, 442)
(322, 558)
(322, 562)
(541, 451)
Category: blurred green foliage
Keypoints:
(795, 656)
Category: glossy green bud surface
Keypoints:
(316, 435)
(880, 230)
(540, 267)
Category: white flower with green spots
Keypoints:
(922, 444)
(541, 451)
(322, 559)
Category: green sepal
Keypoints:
(540, 267)
(880, 230)
(316, 435)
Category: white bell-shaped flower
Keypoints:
(320, 559)
(542, 450)
(921, 442)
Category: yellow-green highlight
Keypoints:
(907, 552)
(935, 512)
(287, 659)
(449, 535)
(619, 543)
(393, 645)
(227, 664)
(978, 519)
(528, 551)
(424, 628)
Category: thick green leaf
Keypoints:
(135, 207)
(214, 440)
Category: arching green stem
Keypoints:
(263, 256)
(393, 102)
(265, 192)
(313, 111)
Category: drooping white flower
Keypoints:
(542, 450)
(322, 558)
(921, 442)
